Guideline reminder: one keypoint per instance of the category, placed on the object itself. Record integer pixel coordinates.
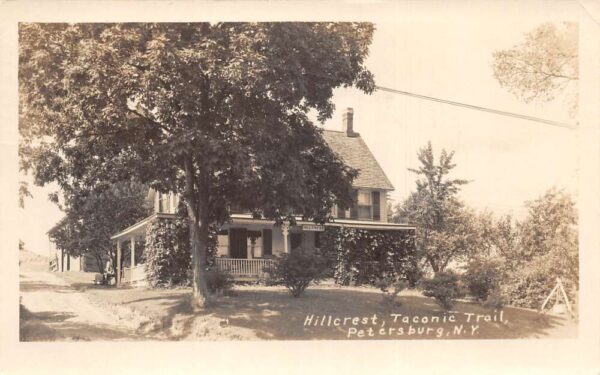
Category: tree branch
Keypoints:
(167, 130)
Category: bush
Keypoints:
(530, 283)
(444, 287)
(298, 269)
(495, 300)
(218, 282)
(391, 286)
(482, 277)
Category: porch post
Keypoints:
(285, 229)
(118, 275)
(132, 251)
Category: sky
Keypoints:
(507, 161)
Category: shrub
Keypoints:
(444, 287)
(530, 283)
(218, 282)
(482, 277)
(391, 286)
(298, 269)
(495, 300)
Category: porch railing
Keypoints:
(132, 275)
(244, 267)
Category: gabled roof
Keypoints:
(356, 154)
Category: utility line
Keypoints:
(475, 107)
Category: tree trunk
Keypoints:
(434, 265)
(99, 262)
(199, 246)
(197, 205)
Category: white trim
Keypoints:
(140, 224)
(248, 219)
(381, 225)
(369, 225)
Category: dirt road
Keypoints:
(53, 310)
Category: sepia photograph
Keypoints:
(347, 179)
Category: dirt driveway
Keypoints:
(53, 310)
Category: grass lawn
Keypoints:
(260, 312)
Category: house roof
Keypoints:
(356, 154)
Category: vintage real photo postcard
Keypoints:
(356, 178)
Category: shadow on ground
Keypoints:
(58, 326)
(35, 286)
(271, 313)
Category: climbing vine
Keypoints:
(364, 256)
(167, 252)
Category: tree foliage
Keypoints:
(547, 248)
(445, 226)
(519, 261)
(214, 112)
(545, 64)
(92, 217)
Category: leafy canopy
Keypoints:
(91, 218)
(545, 64)
(444, 225)
(217, 111)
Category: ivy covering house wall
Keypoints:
(361, 256)
(167, 252)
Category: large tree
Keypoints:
(92, 217)
(549, 232)
(215, 112)
(445, 226)
(543, 246)
(545, 64)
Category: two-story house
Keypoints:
(245, 243)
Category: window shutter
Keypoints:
(267, 242)
(376, 202)
(341, 213)
(354, 208)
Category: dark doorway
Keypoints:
(296, 240)
(267, 242)
(238, 243)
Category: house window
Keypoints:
(341, 214)
(164, 203)
(364, 205)
(223, 243)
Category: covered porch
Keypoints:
(246, 246)
(129, 268)
(244, 251)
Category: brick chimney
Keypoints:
(348, 123)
